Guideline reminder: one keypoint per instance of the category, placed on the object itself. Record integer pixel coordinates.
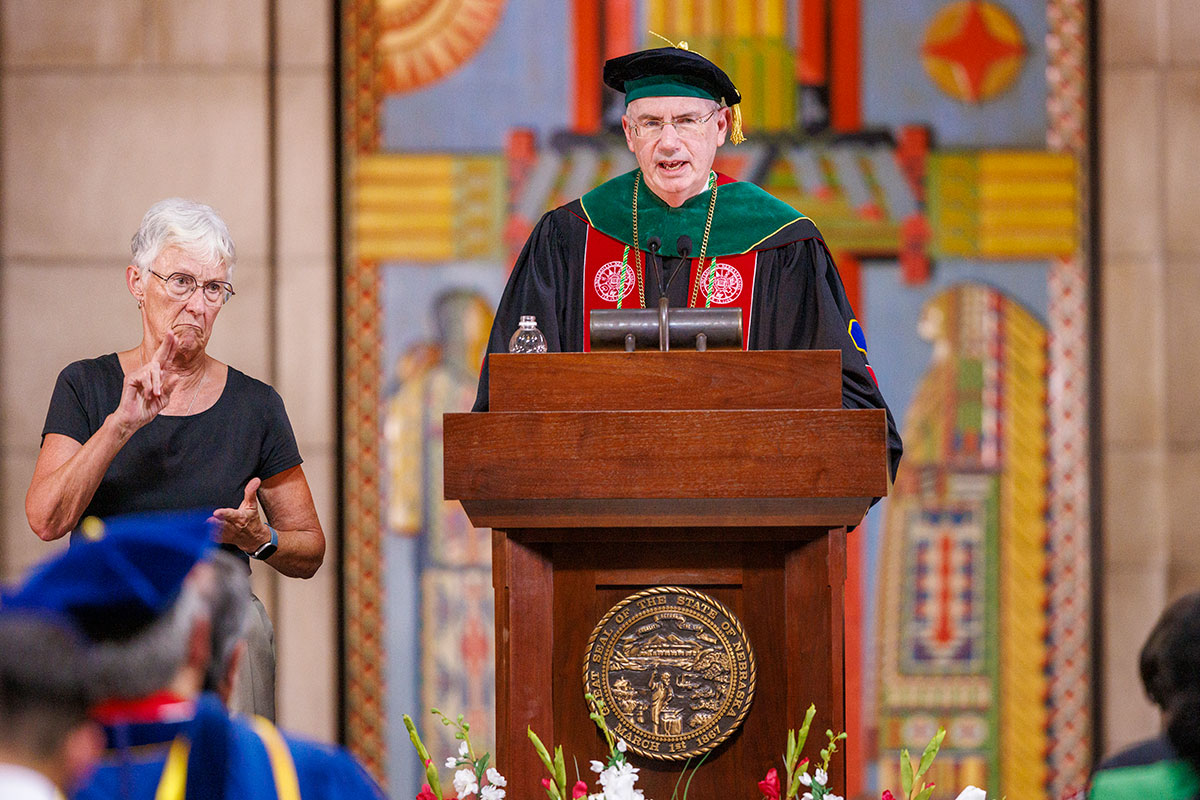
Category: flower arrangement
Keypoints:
(796, 771)
(616, 776)
(912, 777)
(473, 778)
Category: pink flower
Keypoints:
(578, 790)
(887, 795)
(769, 785)
(545, 783)
(426, 793)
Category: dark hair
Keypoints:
(1170, 668)
(44, 683)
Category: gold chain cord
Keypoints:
(712, 208)
(637, 250)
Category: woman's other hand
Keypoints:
(241, 526)
(287, 502)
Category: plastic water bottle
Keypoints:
(527, 338)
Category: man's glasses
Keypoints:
(684, 126)
(180, 286)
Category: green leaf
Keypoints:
(430, 770)
(931, 750)
(802, 734)
(906, 773)
(541, 751)
(925, 793)
(560, 768)
(791, 757)
(687, 786)
(679, 780)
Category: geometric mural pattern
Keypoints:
(966, 642)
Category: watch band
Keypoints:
(268, 548)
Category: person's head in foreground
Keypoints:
(1170, 669)
(45, 692)
(140, 589)
(679, 108)
(1166, 768)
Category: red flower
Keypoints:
(769, 785)
(578, 790)
(426, 793)
(545, 783)
(887, 795)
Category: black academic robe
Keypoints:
(799, 303)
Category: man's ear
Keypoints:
(628, 128)
(200, 645)
(81, 749)
(724, 122)
(229, 679)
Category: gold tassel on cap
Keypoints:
(683, 45)
(735, 128)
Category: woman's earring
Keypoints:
(139, 303)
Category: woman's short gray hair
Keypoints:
(194, 228)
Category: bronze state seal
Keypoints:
(674, 669)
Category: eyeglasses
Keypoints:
(684, 126)
(180, 286)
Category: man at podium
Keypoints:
(673, 227)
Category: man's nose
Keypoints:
(669, 135)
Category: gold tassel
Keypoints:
(735, 128)
(681, 45)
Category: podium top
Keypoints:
(726, 438)
(672, 381)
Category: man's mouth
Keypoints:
(672, 166)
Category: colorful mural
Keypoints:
(940, 148)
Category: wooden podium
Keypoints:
(602, 474)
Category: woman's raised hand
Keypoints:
(147, 389)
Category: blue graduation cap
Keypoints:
(121, 575)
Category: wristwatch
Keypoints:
(268, 549)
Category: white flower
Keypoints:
(451, 762)
(495, 778)
(821, 777)
(972, 793)
(463, 749)
(833, 797)
(597, 766)
(806, 795)
(464, 783)
(805, 779)
(618, 781)
(621, 745)
(491, 792)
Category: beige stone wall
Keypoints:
(1150, 276)
(109, 105)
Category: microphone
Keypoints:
(652, 244)
(684, 246)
